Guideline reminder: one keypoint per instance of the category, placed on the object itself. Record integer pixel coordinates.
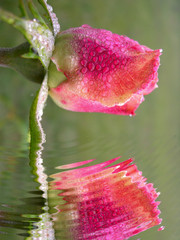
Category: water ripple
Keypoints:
(102, 201)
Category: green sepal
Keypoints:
(38, 35)
(23, 11)
(55, 77)
(36, 13)
(51, 16)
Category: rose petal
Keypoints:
(70, 101)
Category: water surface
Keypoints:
(152, 137)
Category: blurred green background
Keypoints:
(152, 137)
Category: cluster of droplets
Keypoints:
(41, 39)
(99, 64)
(54, 19)
(97, 58)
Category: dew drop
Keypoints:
(97, 41)
(124, 61)
(108, 85)
(104, 55)
(84, 90)
(109, 78)
(86, 26)
(104, 78)
(84, 49)
(112, 66)
(104, 94)
(49, 8)
(85, 80)
(82, 84)
(98, 67)
(100, 58)
(100, 76)
(63, 102)
(103, 64)
(144, 85)
(99, 49)
(116, 62)
(95, 59)
(109, 61)
(83, 62)
(91, 66)
(108, 43)
(122, 66)
(89, 58)
(130, 85)
(78, 87)
(161, 228)
(40, 38)
(84, 70)
(106, 69)
(87, 45)
(92, 53)
(85, 55)
(122, 49)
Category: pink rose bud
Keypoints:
(98, 71)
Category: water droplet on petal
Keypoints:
(86, 26)
(106, 69)
(104, 94)
(99, 49)
(100, 76)
(84, 49)
(91, 66)
(84, 70)
(95, 59)
(104, 78)
(92, 53)
(116, 62)
(100, 58)
(108, 85)
(98, 67)
(112, 66)
(109, 78)
(161, 228)
(82, 84)
(103, 64)
(86, 80)
(104, 55)
(85, 55)
(83, 62)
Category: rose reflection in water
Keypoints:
(103, 203)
